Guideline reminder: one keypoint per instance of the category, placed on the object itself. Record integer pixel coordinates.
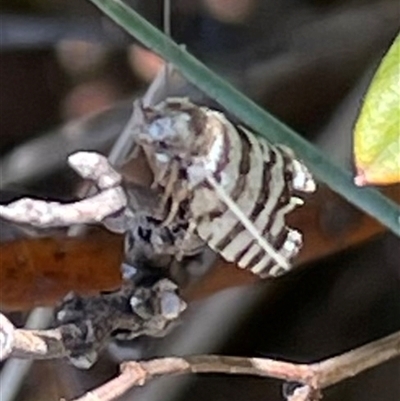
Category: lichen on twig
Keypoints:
(87, 324)
(108, 206)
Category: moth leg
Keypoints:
(160, 177)
(177, 199)
(172, 179)
(177, 195)
(187, 237)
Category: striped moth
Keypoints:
(232, 188)
(221, 185)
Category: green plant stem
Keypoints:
(369, 200)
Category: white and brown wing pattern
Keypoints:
(236, 187)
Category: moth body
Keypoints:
(186, 144)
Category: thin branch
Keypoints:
(44, 344)
(40, 344)
(43, 214)
(95, 167)
(29, 344)
(6, 337)
(341, 181)
(334, 370)
(314, 377)
(109, 206)
(167, 17)
(14, 371)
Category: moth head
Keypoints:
(172, 129)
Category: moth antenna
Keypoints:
(233, 207)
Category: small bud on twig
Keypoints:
(95, 167)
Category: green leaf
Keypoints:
(377, 131)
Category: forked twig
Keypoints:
(313, 377)
(109, 206)
(43, 214)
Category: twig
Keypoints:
(167, 17)
(43, 214)
(39, 344)
(44, 344)
(109, 206)
(349, 364)
(6, 337)
(95, 167)
(87, 324)
(314, 377)
(14, 371)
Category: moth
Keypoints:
(233, 188)
(219, 184)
